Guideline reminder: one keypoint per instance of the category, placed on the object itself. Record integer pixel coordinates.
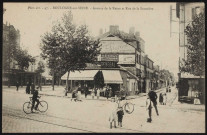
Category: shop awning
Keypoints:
(80, 75)
(112, 76)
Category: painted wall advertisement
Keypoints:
(126, 59)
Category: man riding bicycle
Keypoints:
(34, 99)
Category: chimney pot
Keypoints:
(101, 32)
(137, 34)
(131, 30)
(113, 29)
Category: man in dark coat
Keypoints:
(86, 90)
(17, 85)
(153, 98)
(32, 88)
(28, 88)
(34, 99)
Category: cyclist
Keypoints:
(34, 99)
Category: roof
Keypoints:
(110, 38)
(114, 45)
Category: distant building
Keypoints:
(10, 71)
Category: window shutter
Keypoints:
(193, 13)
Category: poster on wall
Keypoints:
(126, 59)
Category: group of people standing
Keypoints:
(106, 91)
(30, 88)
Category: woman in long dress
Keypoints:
(164, 99)
(98, 93)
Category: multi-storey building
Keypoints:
(149, 79)
(188, 83)
(9, 71)
(122, 62)
(157, 83)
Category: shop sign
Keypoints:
(109, 57)
(126, 59)
(107, 64)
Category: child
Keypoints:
(149, 108)
(120, 114)
(113, 115)
(161, 99)
(92, 93)
(164, 99)
(74, 94)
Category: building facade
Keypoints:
(188, 83)
(124, 54)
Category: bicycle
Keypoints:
(42, 107)
(128, 107)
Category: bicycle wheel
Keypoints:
(27, 107)
(43, 106)
(129, 108)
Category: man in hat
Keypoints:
(153, 97)
(34, 99)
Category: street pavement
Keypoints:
(91, 116)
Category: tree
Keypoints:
(40, 69)
(195, 32)
(23, 59)
(68, 47)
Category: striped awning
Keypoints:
(112, 77)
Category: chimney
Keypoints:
(131, 30)
(113, 29)
(100, 31)
(137, 34)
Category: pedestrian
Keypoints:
(95, 91)
(196, 99)
(161, 99)
(107, 93)
(92, 93)
(74, 95)
(110, 92)
(98, 93)
(149, 109)
(79, 94)
(86, 90)
(113, 115)
(120, 111)
(153, 98)
(169, 89)
(32, 88)
(164, 99)
(104, 91)
(17, 85)
(28, 88)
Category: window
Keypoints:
(195, 11)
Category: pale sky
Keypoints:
(152, 20)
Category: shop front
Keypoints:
(95, 79)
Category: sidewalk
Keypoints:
(59, 91)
